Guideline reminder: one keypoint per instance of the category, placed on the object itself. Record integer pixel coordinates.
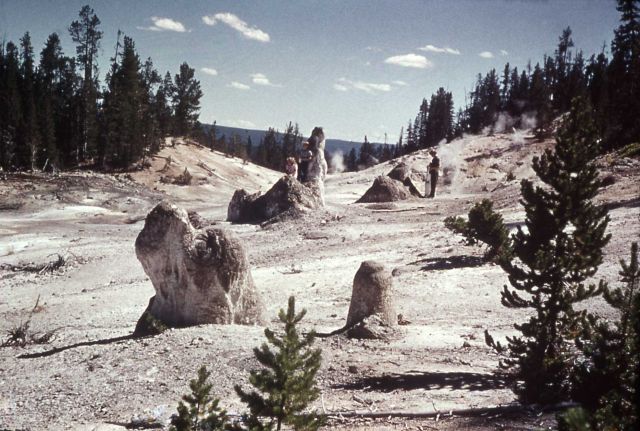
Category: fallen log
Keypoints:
(470, 412)
(399, 210)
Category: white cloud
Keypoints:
(239, 86)
(400, 83)
(165, 24)
(345, 84)
(445, 50)
(209, 71)
(237, 24)
(486, 54)
(504, 52)
(261, 79)
(410, 60)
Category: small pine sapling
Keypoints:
(286, 384)
(561, 247)
(607, 381)
(198, 411)
(484, 226)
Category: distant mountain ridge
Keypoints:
(332, 145)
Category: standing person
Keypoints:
(291, 167)
(304, 157)
(434, 171)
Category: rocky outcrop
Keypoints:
(385, 189)
(405, 174)
(286, 195)
(371, 311)
(400, 172)
(200, 275)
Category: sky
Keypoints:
(354, 67)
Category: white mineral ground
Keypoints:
(94, 379)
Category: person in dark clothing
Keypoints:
(303, 161)
(434, 170)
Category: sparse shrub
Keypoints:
(148, 325)
(561, 247)
(510, 176)
(286, 384)
(484, 226)
(198, 411)
(184, 179)
(21, 334)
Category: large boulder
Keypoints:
(372, 312)
(200, 275)
(400, 172)
(405, 174)
(286, 195)
(385, 189)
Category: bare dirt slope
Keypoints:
(92, 376)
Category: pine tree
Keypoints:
(352, 161)
(124, 104)
(198, 411)
(50, 77)
(10, 106)
(29, 144)
(484, 226)
(560, 248)
(539, 101)
(186, 100)
(86, 35)
(607, 381)
(164, 114)
(286, 384)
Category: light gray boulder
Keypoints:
(200, 275)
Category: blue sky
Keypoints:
(355, 67)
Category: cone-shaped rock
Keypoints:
(287, 194)
(385, 189)
(200, 275)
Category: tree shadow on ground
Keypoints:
(73, 346)
(450, 262)
(425, 380)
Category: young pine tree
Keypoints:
(607, 381)
(198, 411)
(484, 226)
(286, 384)
(560, 248)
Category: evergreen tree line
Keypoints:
(271, 152)
(368, 155)
(610, 83)
(57, 116)
(275, 146)
(536, 95)
(433, 123)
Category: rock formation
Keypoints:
(371, 311)
(287, 194)
(200, 275)
(385, 189)
(403, 173)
